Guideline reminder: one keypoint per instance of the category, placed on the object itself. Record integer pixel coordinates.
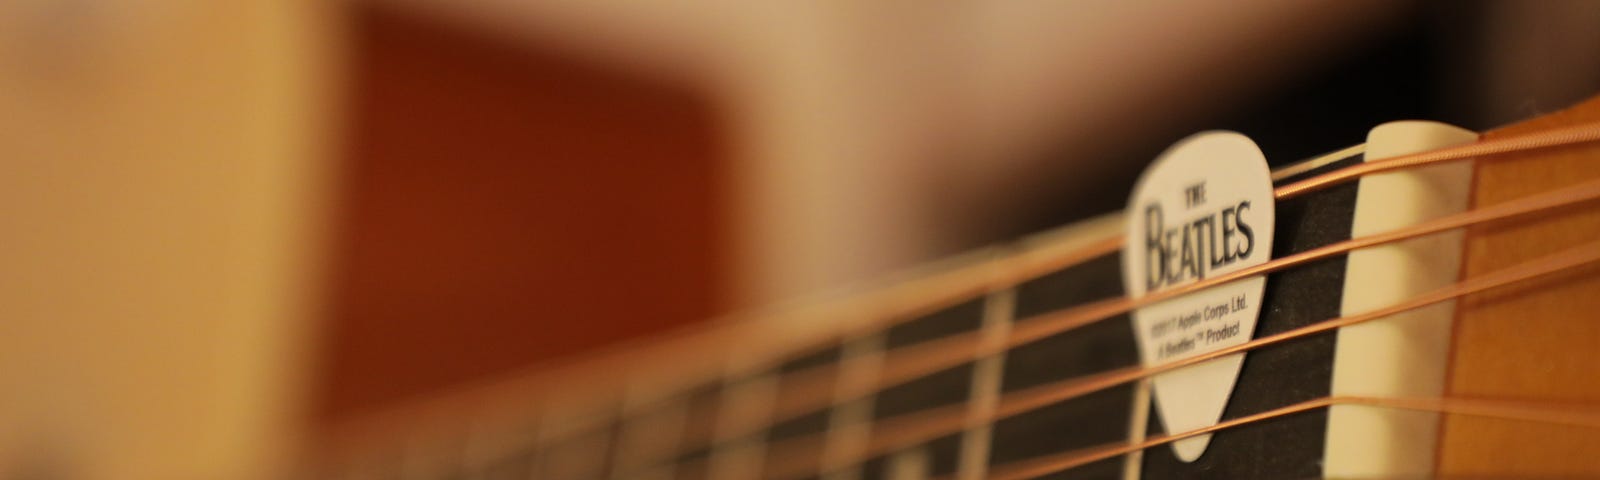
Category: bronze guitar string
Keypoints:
(815, 389)
(1580, 133)
(926, 425)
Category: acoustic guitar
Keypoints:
(1421, 305)
(1418, 305)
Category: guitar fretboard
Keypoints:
(755, 423)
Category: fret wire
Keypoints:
(936, 355)
(912, 464)
(649, 431)
(1585, 416)
(850, 421)
(581, 454)
(742, 402)
(486, 446)
(431, 457)
(984, 392)
(914, 428)
(1138, 427)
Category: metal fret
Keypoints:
(654, 423)
(849, 422)
(1138, 429)
(841, 432)
(742, 402)
(910, 464)
(432, 457)
(501, 449)
(984, 394)
(579, 457)
(1091, 420)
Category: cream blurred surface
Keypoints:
(158, 170)
(872, 135)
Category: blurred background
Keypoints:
(223, 221)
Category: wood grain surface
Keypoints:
(1534, 341)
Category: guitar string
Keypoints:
(1564, 136)
(1297, 169)
(1583, 415)
(819, 387)
(927, 424)
(1552, 138)
(911, 429)
(1483, 148)
(1579, 133)
(813, 388)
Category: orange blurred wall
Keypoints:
(500, 206)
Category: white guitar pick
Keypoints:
(1203, 209)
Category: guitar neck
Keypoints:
(998, 364)
(739, 400)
